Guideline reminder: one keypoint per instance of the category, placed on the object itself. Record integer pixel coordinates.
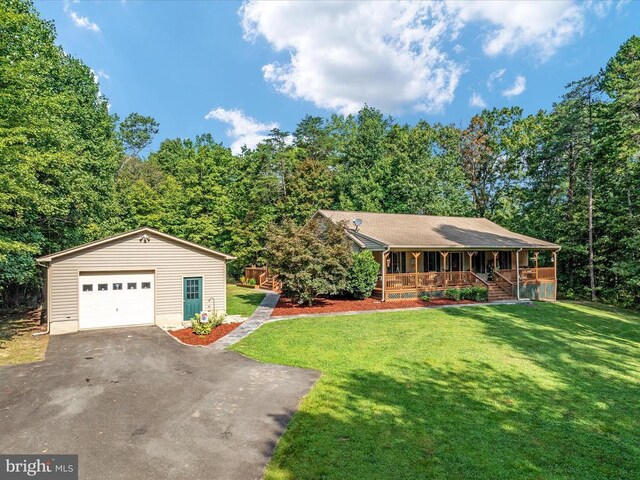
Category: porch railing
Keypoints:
(505, 279)
(259, 274)
(406, 281)
(529, 273)
(503, 282)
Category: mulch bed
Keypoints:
(186, 335)
(334, 305)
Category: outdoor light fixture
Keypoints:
(144, 238)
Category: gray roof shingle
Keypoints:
(433, 232)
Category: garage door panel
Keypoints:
(116, 299)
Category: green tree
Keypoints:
(363, 167)
(311, 261)
(137, 132)
(58, 150)
(492, 150)
(363, 274)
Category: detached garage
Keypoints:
(143, 277)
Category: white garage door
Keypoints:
(113, 299)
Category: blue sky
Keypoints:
(237, 69)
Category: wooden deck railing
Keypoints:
(407, 281)
(259, 274)
(505, 279)
(529, 273)
(503, 282)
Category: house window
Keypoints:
(87, 287)
(116, 286)
(103, 287)
(132, 286)
(431, 261)
(145, 285)
(397, 262)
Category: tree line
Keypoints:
(71, 172)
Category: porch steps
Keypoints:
(271, 283)
(496, 293)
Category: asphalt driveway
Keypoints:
(135, 404)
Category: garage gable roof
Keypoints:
(139, 231)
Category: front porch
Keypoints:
(411, 274)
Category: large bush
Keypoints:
(310, 261)
(363, 274)
(478, 294)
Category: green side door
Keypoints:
(192, 296)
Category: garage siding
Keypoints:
(171, 261)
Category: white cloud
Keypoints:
(244, 130)
(78, 20)
(345, 54)
(100, 74)
(517, 88)
(542, 26)
(476, 100)
(495, 77)
(397, 55)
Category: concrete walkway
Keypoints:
(261, 315)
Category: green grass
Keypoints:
(548, 391)
(17, 344)
(242, 301)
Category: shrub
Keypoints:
(198, 327)
(478, 294)
(310, 261)
(425, 298)
(363, 274)
(252, 281)
(243, 280)
(453, 294)
(213, 320)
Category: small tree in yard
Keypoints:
(310, 261)
(363, 275)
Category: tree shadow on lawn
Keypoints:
(579, 344)
(564, 406)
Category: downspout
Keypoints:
(46, 332)
(384, 267)
(518, 273)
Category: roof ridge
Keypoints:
(404, 214)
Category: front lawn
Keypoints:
(17, 344)
(505, 392)
(242, 301)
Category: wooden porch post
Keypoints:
(535, 256)
(495, 261)
(471, 254)
(555, 264)
(443, 266)
(385, 255)
(416, 255)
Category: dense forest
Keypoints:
(71, 172)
